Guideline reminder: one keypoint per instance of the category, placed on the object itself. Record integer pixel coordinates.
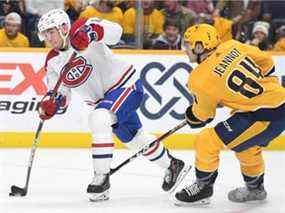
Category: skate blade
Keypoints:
(98, 197)
(202, 202)
(181, 177)
(257, 201)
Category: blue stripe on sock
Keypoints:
(159, 156)
(102, 156)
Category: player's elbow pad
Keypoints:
(113, 32)
(193, 121)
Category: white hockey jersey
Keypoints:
(94, 71)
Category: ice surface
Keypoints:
(60, 176)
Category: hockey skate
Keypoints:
(99, 188)
(175, 173)
(196, 194)
(244, 194)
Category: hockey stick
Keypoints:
(146, 147)
(16, 190)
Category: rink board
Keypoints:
(163, 73)
(81, 140)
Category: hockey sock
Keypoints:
(208, 178)
(159, 155)
(253, 182)
(102, 154)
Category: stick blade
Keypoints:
(18, 191)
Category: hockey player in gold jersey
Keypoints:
(237, 76)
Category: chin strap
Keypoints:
(199, 58)
(64, 38)
(203, 56)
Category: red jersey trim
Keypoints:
(51, 54)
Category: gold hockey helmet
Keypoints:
(203, 34)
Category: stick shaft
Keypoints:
(33, 151)
(40, 126)
(146, 147)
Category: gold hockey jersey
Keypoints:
(235, 75)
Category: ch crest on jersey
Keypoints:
(77, 72)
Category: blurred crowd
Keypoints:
(256, 22)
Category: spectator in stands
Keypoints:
(280, 44)
(229, 9)
(29, 23)
(251, 14)
(233, 11)
(260, 35)
(272, 10)
(201, 6)
(8, 6)
(273, 13)
(10, 36)
(39, 7)
(224, 26)
(31, 31)
(170, 39)
(252, 11)
(126, 4)
(73, 8)
(174, 10)
(32, 10)
(104, 9)
(152, 20)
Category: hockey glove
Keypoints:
(81, 37)
(50, 104)
(193, 121)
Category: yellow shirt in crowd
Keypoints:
(153, 23)
(19, 41)
(224, 27)
(280, 45)
(116, 15)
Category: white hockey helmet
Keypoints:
(54, 18)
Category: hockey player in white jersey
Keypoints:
(107, 83)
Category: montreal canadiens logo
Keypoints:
(76, 73)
